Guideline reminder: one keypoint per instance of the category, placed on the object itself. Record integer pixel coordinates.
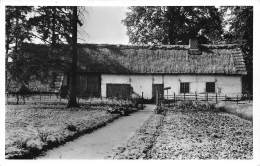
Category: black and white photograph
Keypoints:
(129, 82)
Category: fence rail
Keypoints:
(52, 97)
(168, 99)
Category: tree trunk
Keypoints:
(73, 83)
(6, 64)
(53, 22)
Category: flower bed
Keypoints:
(203, 133)
(191, 130)
(31, 129)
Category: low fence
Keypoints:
(51, 97)
(46, 97)
(213, 98)
(18, 98)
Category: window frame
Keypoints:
(185, 88)
(209, 88)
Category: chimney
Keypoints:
(194, 47)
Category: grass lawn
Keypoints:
(244, 111)
(194, 132)
(32, 128)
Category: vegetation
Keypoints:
(240, 23)
(53, 25)
(244, 111)
(172, 24)
(191, 130)
(141, 142)
(44, 122)
(17, 31)
(176, 24)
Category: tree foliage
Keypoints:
(171, 24)
(241, 31)
(54, 25)
(17, 31)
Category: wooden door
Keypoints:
(157, 88)
(122, 91)
(94, 85)
(89, 85)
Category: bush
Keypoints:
(194, 106)
(122, 110)
(71, 127)
(159, 110)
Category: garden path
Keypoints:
(100, 143)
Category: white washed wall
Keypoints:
(229, 85)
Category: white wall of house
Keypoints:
(224, 85)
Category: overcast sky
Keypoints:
(103, 25)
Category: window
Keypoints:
(185, 87)
(210, 87)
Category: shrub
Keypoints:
(159, 110)
(194, 106)
(71, 127)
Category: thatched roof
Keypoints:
(163, 59)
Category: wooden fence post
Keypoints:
(174, 97)
(196, 95)
(216, 98)
(207, 97)
(17, 98)
(168, 99)
(6, 98)
(156, 98)
(142, 102)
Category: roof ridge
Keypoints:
(146, 46)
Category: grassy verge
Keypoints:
(139, 145)
(32, 129)
(244, 111)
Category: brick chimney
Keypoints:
(194, 46)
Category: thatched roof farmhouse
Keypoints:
(107, 70)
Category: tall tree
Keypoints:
(21, 23)
(59, 25)
(238, 25)
(73, 89)
(17, 31)
(54, 26)
(171, 24)
(242, 28)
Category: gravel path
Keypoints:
(100, 143)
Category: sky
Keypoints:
(103, 25)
